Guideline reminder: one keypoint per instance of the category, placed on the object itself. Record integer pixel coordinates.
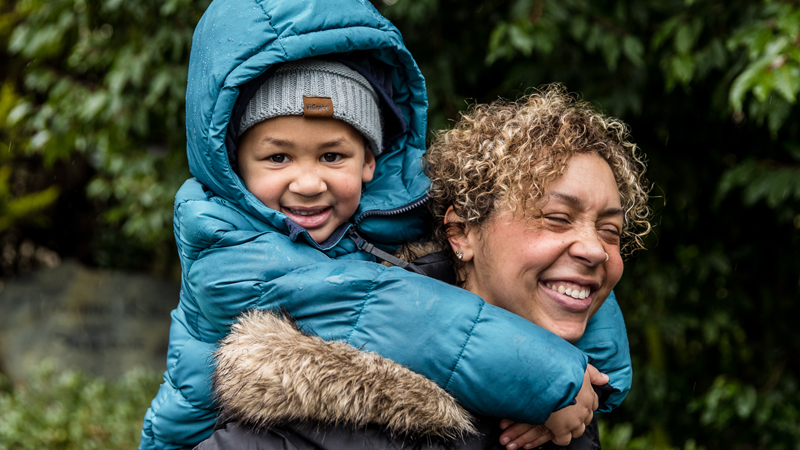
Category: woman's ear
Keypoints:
(458, 235)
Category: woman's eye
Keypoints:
(278, 159)
(612, 231)
(556, 219)
(331, 157)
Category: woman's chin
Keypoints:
(570, 332)
(565, 316)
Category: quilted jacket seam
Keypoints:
(464, 347)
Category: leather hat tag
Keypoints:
(317, 106)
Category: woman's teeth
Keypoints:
(579, 293)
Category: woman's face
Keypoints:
(556, 271)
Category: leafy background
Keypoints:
(92, 152)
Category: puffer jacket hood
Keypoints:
(236, 41)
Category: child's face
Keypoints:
(310, 169)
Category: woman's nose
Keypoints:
(588, 247)
(307, 182)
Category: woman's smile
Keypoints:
(573, 298)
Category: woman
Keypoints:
(535, 203)
(537, 200)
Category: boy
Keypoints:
(265, 225)
(307, 156)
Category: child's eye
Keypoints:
(279, 158)
(331, 157)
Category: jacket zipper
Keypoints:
(365, 246)
(391, 212)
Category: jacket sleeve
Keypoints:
(494, 362)
(605, 342)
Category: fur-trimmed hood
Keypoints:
(270, 373)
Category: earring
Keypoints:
(606, 257)
(459, 255)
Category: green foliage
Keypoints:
(70, 410)
(620, 437)
(106, 80)
(16, 206)
(709, 88)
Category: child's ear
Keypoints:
(458, 235)
(369, 165)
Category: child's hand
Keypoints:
(597, 378)
(571, 421)
(522, 435)
(563, 424)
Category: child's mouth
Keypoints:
(308, 217)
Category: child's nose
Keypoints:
(307, 183)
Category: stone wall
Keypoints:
(102, 322)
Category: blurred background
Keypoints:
(92, 151)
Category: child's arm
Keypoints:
(605, 342)
(494, 362)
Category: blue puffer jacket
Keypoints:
(236, 254)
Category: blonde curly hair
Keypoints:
(505, 154)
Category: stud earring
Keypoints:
(606, 257)
(459, 255)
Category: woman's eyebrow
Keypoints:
(571, 199)
(579, 204)
(612, 212)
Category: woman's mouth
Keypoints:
(572, 297)
(571, 289)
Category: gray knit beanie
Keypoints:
(317, 88)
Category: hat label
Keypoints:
(317, 106)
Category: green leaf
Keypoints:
(686, 35)
(787, 82)
(611, 50)
(634, 50)
(779, 111)
(666, 30)
(496, 43)
(683, 68)
(521, 38)
(749, 78)
(579, 26)
(781, 186)
(18, 113)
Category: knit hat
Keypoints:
(317, 88)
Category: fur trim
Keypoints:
(268, 373)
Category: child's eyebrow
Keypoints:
(287, 143)
(276, 142)
(333, 143)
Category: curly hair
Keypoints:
(505, 154)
